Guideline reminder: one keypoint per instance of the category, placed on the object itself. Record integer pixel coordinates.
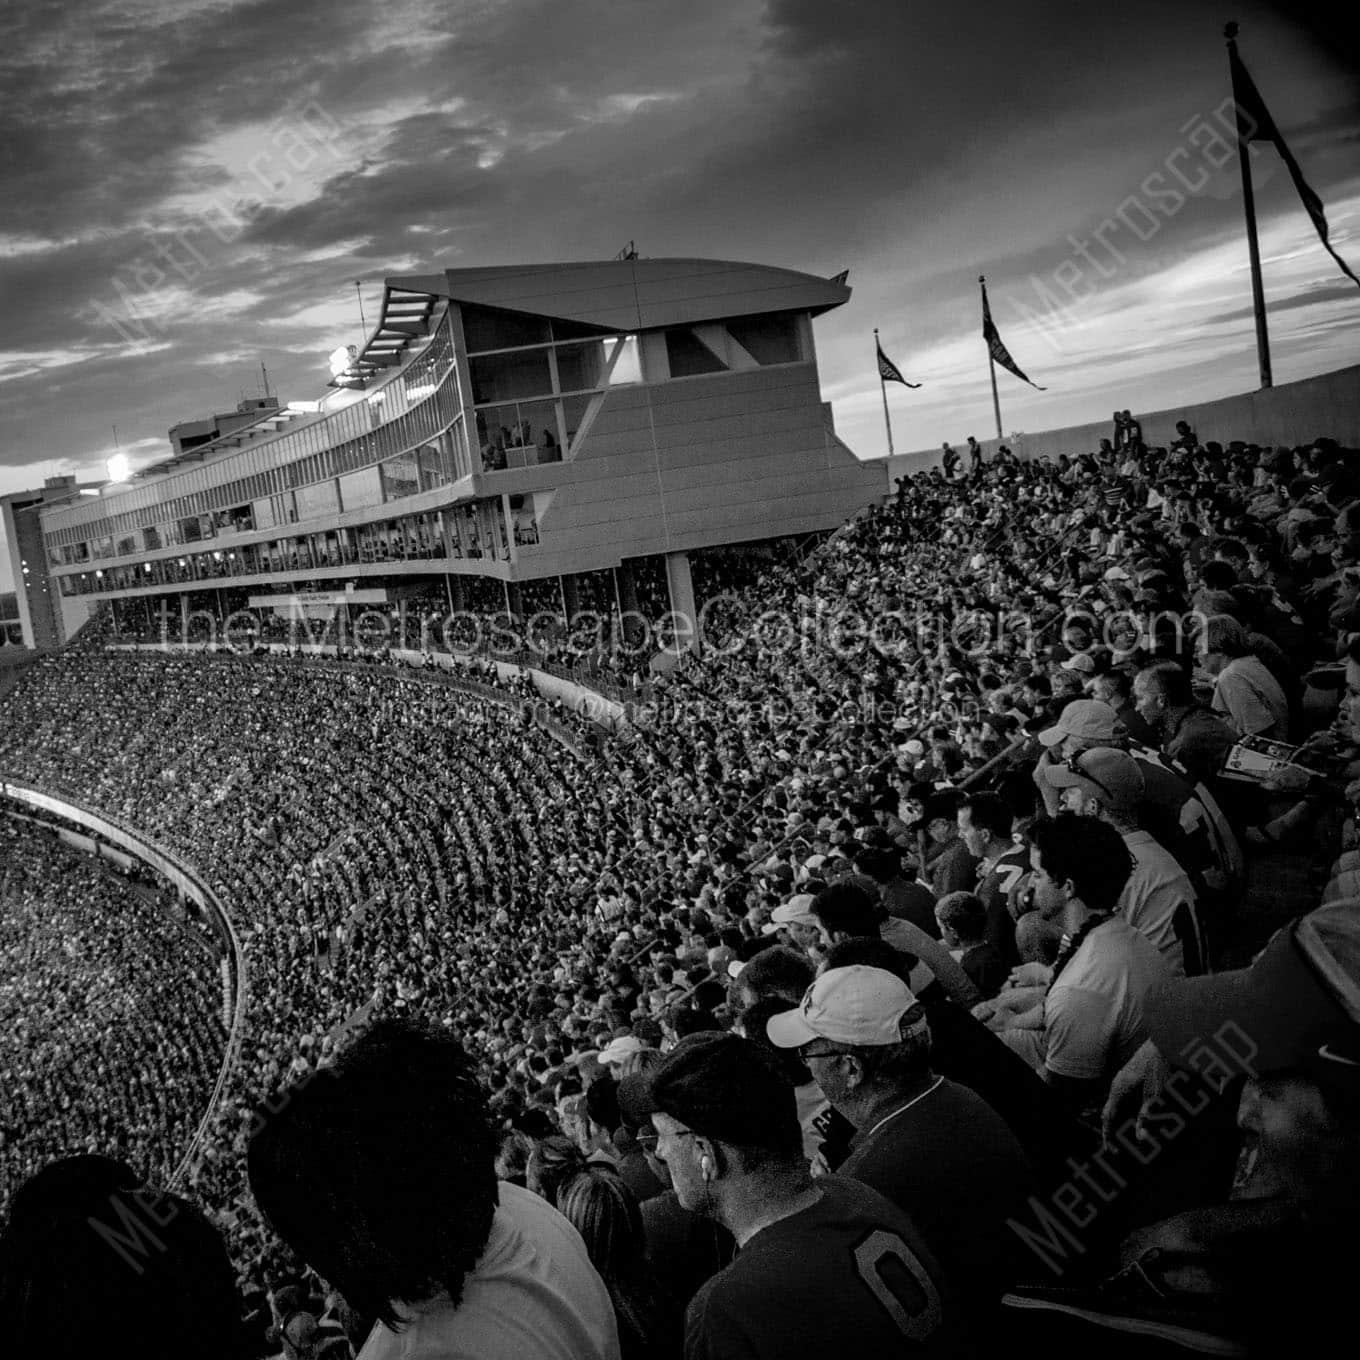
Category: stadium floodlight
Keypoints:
(342, 359)
(118, 467)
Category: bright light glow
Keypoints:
(377, 398)
(119, 468)
(305, 408)
(341, 358)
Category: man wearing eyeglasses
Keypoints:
(932, 1146)
(820, 1264)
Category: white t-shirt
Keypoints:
(1156, 887)
(534, 1296)
(1252, 698)
(1094, 1012)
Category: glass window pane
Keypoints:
(400, 477)
(313, 502)
(489, 328)
(360, 489)
(579, 367)
(689, 356)
(522, 434)
(627, 366)
(767, 339)
(573, 413)
(432, 469)
(505, 377)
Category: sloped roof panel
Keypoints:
(638, 294)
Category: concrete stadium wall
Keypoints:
(1293, 413)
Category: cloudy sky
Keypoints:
(192, 188)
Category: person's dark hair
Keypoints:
(1089, 852)
(513, 1157)
(1039, 683)
(943, 804)
(552, 1163)
(870, 953)
(598, 1204)
(687, 1020)
(602, 1103)
(989, 812)
(846, 908)
(778, 972)
(1225, 635)
(1218, 575)
(1174, 682)
(380, 1173)
(90, 1255)
(882, 865)
(1119, 681)
(724, 1087)
(751, 1022)
(964, 914)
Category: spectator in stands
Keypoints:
(848, 911)
(684, 1249)
(778, 971)
(1244, 689)
(1187, 731)
(963, 931)
(1291, 1022)
(1093, 1010)
(90, 1258)
(950, 867)
(727, 1130)
(902, 897)
(1157, 900)
(1115, 688)
(404, 1215)
(605, 1212)
(985, 824)
(933, 1147)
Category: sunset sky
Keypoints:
(188, 197)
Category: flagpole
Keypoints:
(1258, 292)
(883, 387)
(991, 363)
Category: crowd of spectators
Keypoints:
(111, 1024)
(876, 925)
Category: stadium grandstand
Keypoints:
(966, 930)
(530, 442)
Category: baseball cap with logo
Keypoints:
(1295, 1008)
(1102, 772)
(1089, 719)
(860, 1006)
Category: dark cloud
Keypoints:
(1337, 292)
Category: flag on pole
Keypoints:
(999, 351)
(888, 371)
(1254, 124)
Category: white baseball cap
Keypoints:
(797, 911)
(859, 1006)
(616, 1050)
